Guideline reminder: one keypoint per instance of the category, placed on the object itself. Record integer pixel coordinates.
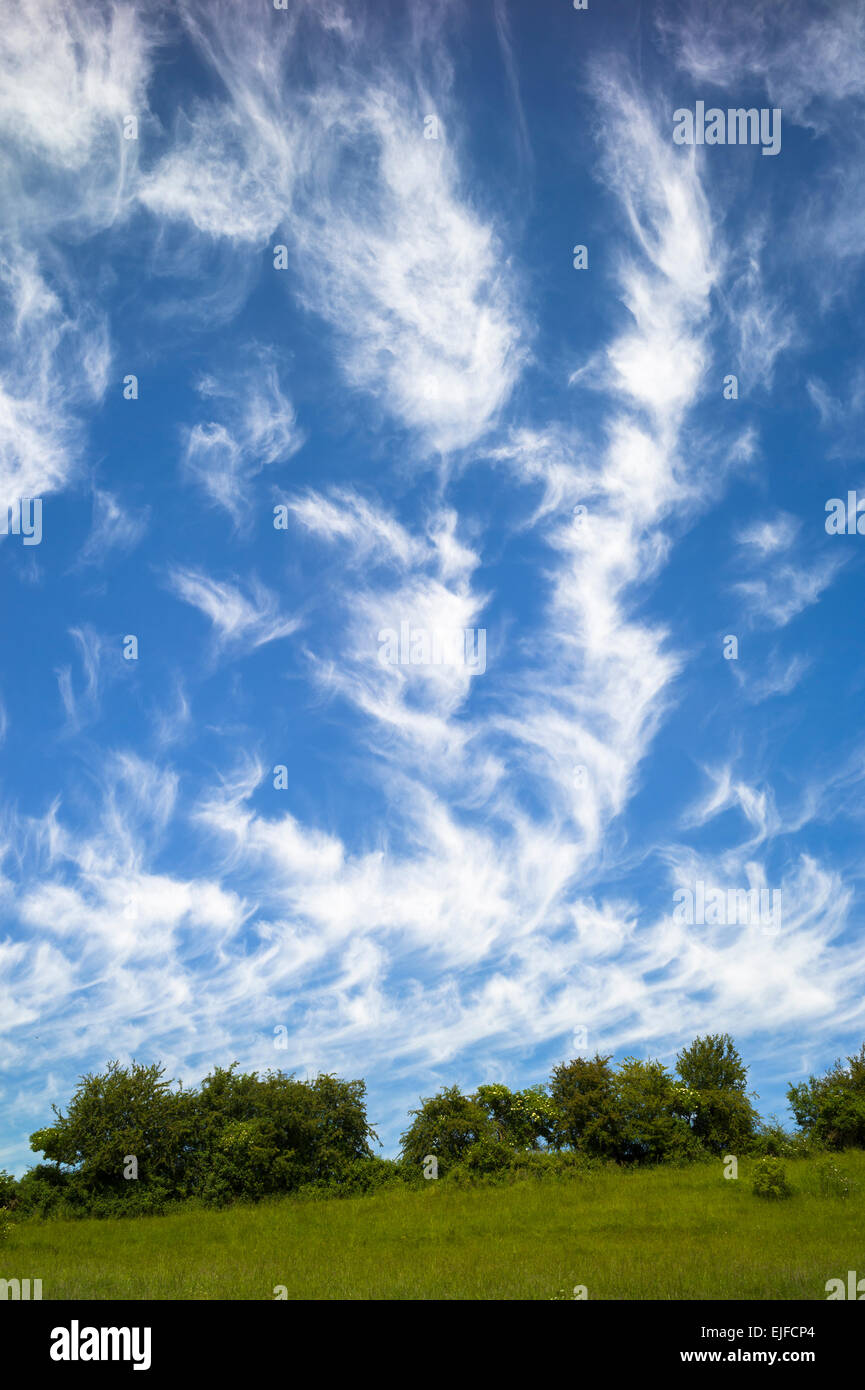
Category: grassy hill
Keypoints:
(661, 1233)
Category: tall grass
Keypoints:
(664, 1233)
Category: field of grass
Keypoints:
(662, 1233)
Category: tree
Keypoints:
(712, 1063)
(583, 1092)
(831, 1108)
(238, 1135)
(446, 1126)
(721, 1115)
(7, 1200)
(650, 1127)
(522, 1119)
(124, 1112)
(274, 1133)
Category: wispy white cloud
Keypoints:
(363, 532)
(69, 75)
(241, 620)
(810, 57)
(478, 906)
(82, 707)
(771, 536)
(258, 428)
(780, 678)
(114, 528)
(386, 245)
(774, 600)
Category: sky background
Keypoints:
(430, 388)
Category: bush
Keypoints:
(446, 1126)
(831, 1108)
(40, 1191)
(240, 1136)
(245, 1136)
(650, 1126)
(642, 1114)
(7, 1200)
(488, 1156)
(834, 1182)
(773, 1141)
(356, 1178)
(123, 1111)
(770, 1180)
(721, 1116)
(521, 1119)
(583, 1092)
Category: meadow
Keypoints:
(645, 1233)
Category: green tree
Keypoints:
(125, 1111)
(713, 1074)
(830, 1109)
(446, 1126)
(238, 1135)
(523, 1119)
(273, 1133)
(650, 1125)
(583, 1092)
(712, 1063)
(8, 1187)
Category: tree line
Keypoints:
(131, 1141)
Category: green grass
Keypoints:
(653, 1234)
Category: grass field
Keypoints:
(653, 1234)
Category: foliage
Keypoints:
(772, 1140)
(722, 1117)
(834, 1181)
(641, 1114)
(246, 1136)
(831, 1108)
(584, 1094)
(521, 1119)
(446, 1126)
(240, 1135)
(650, 1126)
(7, 1200)
(712, 1063)
(770, 1180)
(122, 1112)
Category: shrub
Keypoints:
(773, 1141)
(770, 1179)
(721, 1116)
(488, 1156)
(240, 1135)
(649, 1125)
(40, 1191)
(521, 1119)
(831, 1108)
(123, 1111)
(7, 1200)
(834, 1182)
(446, 1126)
(583, 1092)
(357, 1177)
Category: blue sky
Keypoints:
(468, 874)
